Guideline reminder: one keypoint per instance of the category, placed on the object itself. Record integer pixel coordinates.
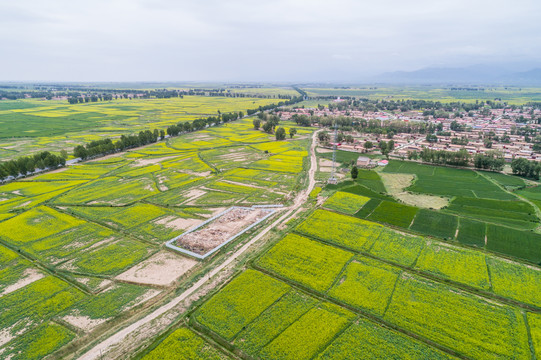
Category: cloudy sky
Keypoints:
(249, 40)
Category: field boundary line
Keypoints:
(234, 337)
(336, 336)
(96, 351)
(518, 196)
(341, 273)
(392, 293)
(528, 331)
(363, 313)
(50, 270)
(463, 287)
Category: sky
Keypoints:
(250, 40)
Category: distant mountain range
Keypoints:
(472, 75)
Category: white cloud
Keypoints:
(122, 40)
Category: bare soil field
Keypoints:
(218, 231)
(162, 269)
(323, 150)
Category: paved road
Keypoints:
(102, 348)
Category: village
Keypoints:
(511, 131)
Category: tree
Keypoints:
(368, 145)
(280, 133)
(162, 134)
(292, 132)
(64, 154)
(431, 138)
(491, 160)
(80, 152)
(323, 136)
(257, 123)
(383, 147)
(267, 127)
(354, 172)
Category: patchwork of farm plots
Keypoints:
(483, 211)
(82, 246)
(340, 287)
(55, 125)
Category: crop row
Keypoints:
(468, 324)
(519, 243)
(298, 326)
(440, 259)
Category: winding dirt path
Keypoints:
(102, 348)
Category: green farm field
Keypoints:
(81, 247)
(381, 291)
(511, 95)
(34, 125)
(352, 272)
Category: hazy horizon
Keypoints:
(277, 41)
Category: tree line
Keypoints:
(109, 146)
(525, 168)
(46, 160)
(491, 160)
(262, 108)
(25, 165)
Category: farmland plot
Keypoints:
(38, 343)
(436, 180)
(110, 191)
(273, 321)
(239, 303)
(394, 214)
(534, 320)
(435, 224)
(356, 234)
(367, 340)
(397, 247)
(516, 281)
(184, 344)
(366, 284)
(471, 232)
(305, 261)
(309, 334)
(454, 263)
(35, 224)
(517, 243)
(346, 202)
(514, 213)
(467, 324)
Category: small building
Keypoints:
(383, 163)
(363, 161)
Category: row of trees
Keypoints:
(526, 168)
(491, 160)
(108, 146)
(201, 123)
(441, 157)
(291, 101)
(46, 160)
(25, 165)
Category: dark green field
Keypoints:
(437, 180)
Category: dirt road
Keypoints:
(100, 350)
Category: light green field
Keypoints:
(55, 124)
(511, 95)
(95, 221)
